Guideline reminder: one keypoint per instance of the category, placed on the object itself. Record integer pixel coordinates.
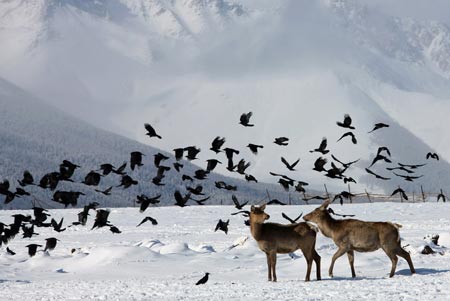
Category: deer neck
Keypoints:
(327, 225)
(256, 229)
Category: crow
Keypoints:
(230, 152)
(379, 126)
(217, 143)
(334, 172)
(378, 158)
(195, 190)
(411, 166)
(347, 122)
(275, 202)
(299, 187)
(385, 149)
(354, 141)
(186, 178)
(254, 148)
(319, 164)
(136, 160)
(236, 202)
(201, 201)
(401, 191)
(179, 153)
(40, 215)
(145, 201)
(222, 226)
(441, 196)
(57, 226)
(223, 185)
(177, 166)
(212, 163)
(201, 174)
(245, 119)
(28, 232)
(127, 181)
(292, 221)
(285, 183)
(345, 165)
(242, 166)
(10, 252)
(289, 166)
(322, 147)
(101, 219)
(203, 280)
(32, 248)
(376, 175)
(50, 180)
(282, 141)
(181, 200)
(106, 169)
(151, 131)
(158, 158)
(92, 179)
(27, 179)
(348, 180)
(408, 178)
(250, 178)
(400, 168)
(148, 218)
(432, 156)
(107, 191)
(67, 197)
(114, 229)
(50, 243)
(192, 152)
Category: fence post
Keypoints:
(414, 196)
(401, 196)
(368, 196)
(326, 191)
(423, 193)
(350, 194)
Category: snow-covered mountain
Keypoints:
(191, 67)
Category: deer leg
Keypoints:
(402, 253)
(309, 260)
(341, 251)
(274, 263)
(393, 257)
(351, 260)
(317, 261)
(269, 267)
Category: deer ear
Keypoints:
(325, 205)
(252, 208)
(263, 207)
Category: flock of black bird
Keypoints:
(194, 193)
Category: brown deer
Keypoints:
(275, 238)
(354, 235)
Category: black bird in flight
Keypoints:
(250, 178)
(57, 226)
(27, 179)
(50, 180)
(400, 168)
(177, 166)
(285, 183)
(275, 202)
(442, 196)
(379, 126)
(186, 178)
(283, 141)
(92, 179)
(411, 166)
(354, 141)
(32, 248)
(181, 200)
(211, 164)
(292, 221)
(345, 165)
(101, 219)
(120, 170)
(384, 149)
(432, 156)
(378, 158)
(114, 229)
(179, 153)
(107, 191)
(222, 226)
(299, 187)
(376, 175)
(242, 166)
(50, 243)
(126, 181)
(158, 158)
(322, 147)
(254, 148)
(407, 177)
(203, 280)
(201, 201)
(195, 190)
(217, 143)
(151, 131)
(10, 252)
(106, 168)
(238, 205)
(147, 219)
(201, 174)
(145, 201)
(192, 152)
(319, 164)
(291, 167)
(245, 119)
(136, 160)
(347, 122)
(401, 191)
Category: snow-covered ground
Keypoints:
(165, 261)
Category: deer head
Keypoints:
(257, 214)
(318, 214)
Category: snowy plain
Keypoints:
(164, 261)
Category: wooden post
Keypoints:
(289, 199)
(326, 191)
(350, 197)
(305, 198)
(368, 196)
(414, 196)
(423, 193)
(401, 196)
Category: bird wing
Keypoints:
(288, 218)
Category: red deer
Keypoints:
(275, 238)
(354, 235)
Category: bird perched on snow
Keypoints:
(347, 122)
(222, 226)
(151, 131)
(245, 119)
(203, 280)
